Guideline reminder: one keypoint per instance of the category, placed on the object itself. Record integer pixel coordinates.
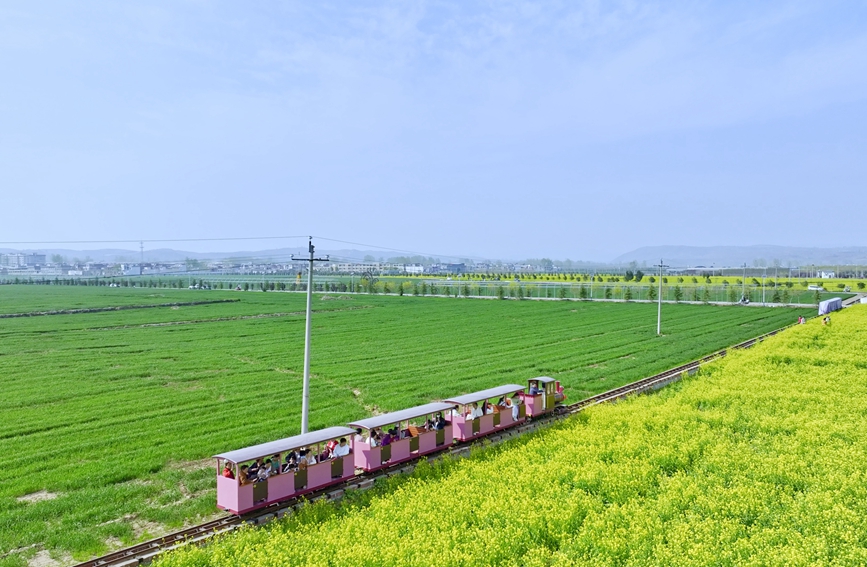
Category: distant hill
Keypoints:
(719, 256)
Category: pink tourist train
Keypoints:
(261, 475)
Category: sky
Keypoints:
(505, 129)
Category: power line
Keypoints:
(153, 241)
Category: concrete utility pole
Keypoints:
(744, 283)
(659, 298)
(141, 262)
(305, 398)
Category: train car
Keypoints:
(238, 496)
(417, 440)
(549, 394)
(468, 426)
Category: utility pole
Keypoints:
(659, 298)
(141, 262)
(305, 398)
(764, 273)
(744, 284)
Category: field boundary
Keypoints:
(113, 308)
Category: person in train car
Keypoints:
(325, 454)
(475, 412)
(516, 401)
(244, 475)
(253, 470)
(440, 422)
(386, 439)
(372, 438)
(534, 389)
(275, 464)
(502, 401)
(227, 471)
(264, 471)
(290, 462)
(358, 437)
(342, 448)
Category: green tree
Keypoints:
(733, 295)
(776, 298)
(861, 285)
(629, 275)
(786, 298)
(678, 293)
(651, 293)
(817, 297)
(627, 295)
(695, 294)
(561, 292)
(500, 293)
(639, 275)
(582, 292)
(651, 279)
(705, 296)
(607, 293)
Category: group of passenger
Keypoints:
(505, 403)
(260, 471)
(376, 437)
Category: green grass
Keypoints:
(117, 412)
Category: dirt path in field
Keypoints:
(113, 308)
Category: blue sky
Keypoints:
(495, 129)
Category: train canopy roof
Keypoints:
(485, 394)
(283, 445)
(542, 379)
(402, 415)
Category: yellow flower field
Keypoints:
(761, 459)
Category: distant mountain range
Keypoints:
(729, 256)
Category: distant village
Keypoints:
(55, 266)
(41, 265)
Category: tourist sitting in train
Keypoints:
(373, 438)
(264, 472)
(275, 464)
(254, 468)
(324, 455)
(252, 474)
(244, 474)
(440, 422)
(534, 388)
(358, 438)
(516, 401)
(291, 462)
(342, 449)
(502, 401)
(387, 439)
(227, 471)
(475, 412)
(303, 461)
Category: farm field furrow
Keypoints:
(758, 460)
(118, 418)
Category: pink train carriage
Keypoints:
(238, 498)
(551, 392)
(419, 440)
(467, 427)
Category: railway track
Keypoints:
(144, 552)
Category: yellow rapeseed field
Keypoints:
(759, 460)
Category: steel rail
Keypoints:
(144, 552)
